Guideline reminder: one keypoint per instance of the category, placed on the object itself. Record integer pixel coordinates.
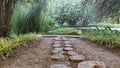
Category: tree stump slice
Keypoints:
(56, 42)
(68, 49)
(58, 38)
(67, 42)
(56, 45)
(91, 64)
(77, 58)
(58, 57)
(59, 66)
(64, 39)
(68, 45)
(59, 49)
(72, 53)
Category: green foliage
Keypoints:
(68, 11)
(48, 24)
(65, 24)
(7, 44)
(104, 24)
(64, 31)
(27, 18)
(107, 37)
(71, 11)
(19, 16)
(107, 8)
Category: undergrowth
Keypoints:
(108, 37)
(7, 44)
(29, 18)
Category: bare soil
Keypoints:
(38, 53)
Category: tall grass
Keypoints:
(49, 24)
(29, 18)
(32, 21)
(19, 15)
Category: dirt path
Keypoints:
(96, 52)
(38, 53)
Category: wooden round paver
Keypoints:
(58, 38)
(57, 42)
(68, 45)
(64, 39)
(67, 42)
(68, 49)
(55, 51)
(72, 53)
(91, 64)
(77, 58)
(58, 57)
(56, 45)
(59, 66)
(59, 49)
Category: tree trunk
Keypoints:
(6, 10)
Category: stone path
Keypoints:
(63, 50)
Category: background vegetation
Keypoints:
(84, 12)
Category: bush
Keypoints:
(64, 31)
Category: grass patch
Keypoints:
(7, 44)
(108, 37)
(65, 31)
(105, 25)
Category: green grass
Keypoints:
(21, 10)
(105, 25)
(108, 37)
(65, 31)
(7, 44)
(29, 18)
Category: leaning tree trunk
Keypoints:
(6, 10)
